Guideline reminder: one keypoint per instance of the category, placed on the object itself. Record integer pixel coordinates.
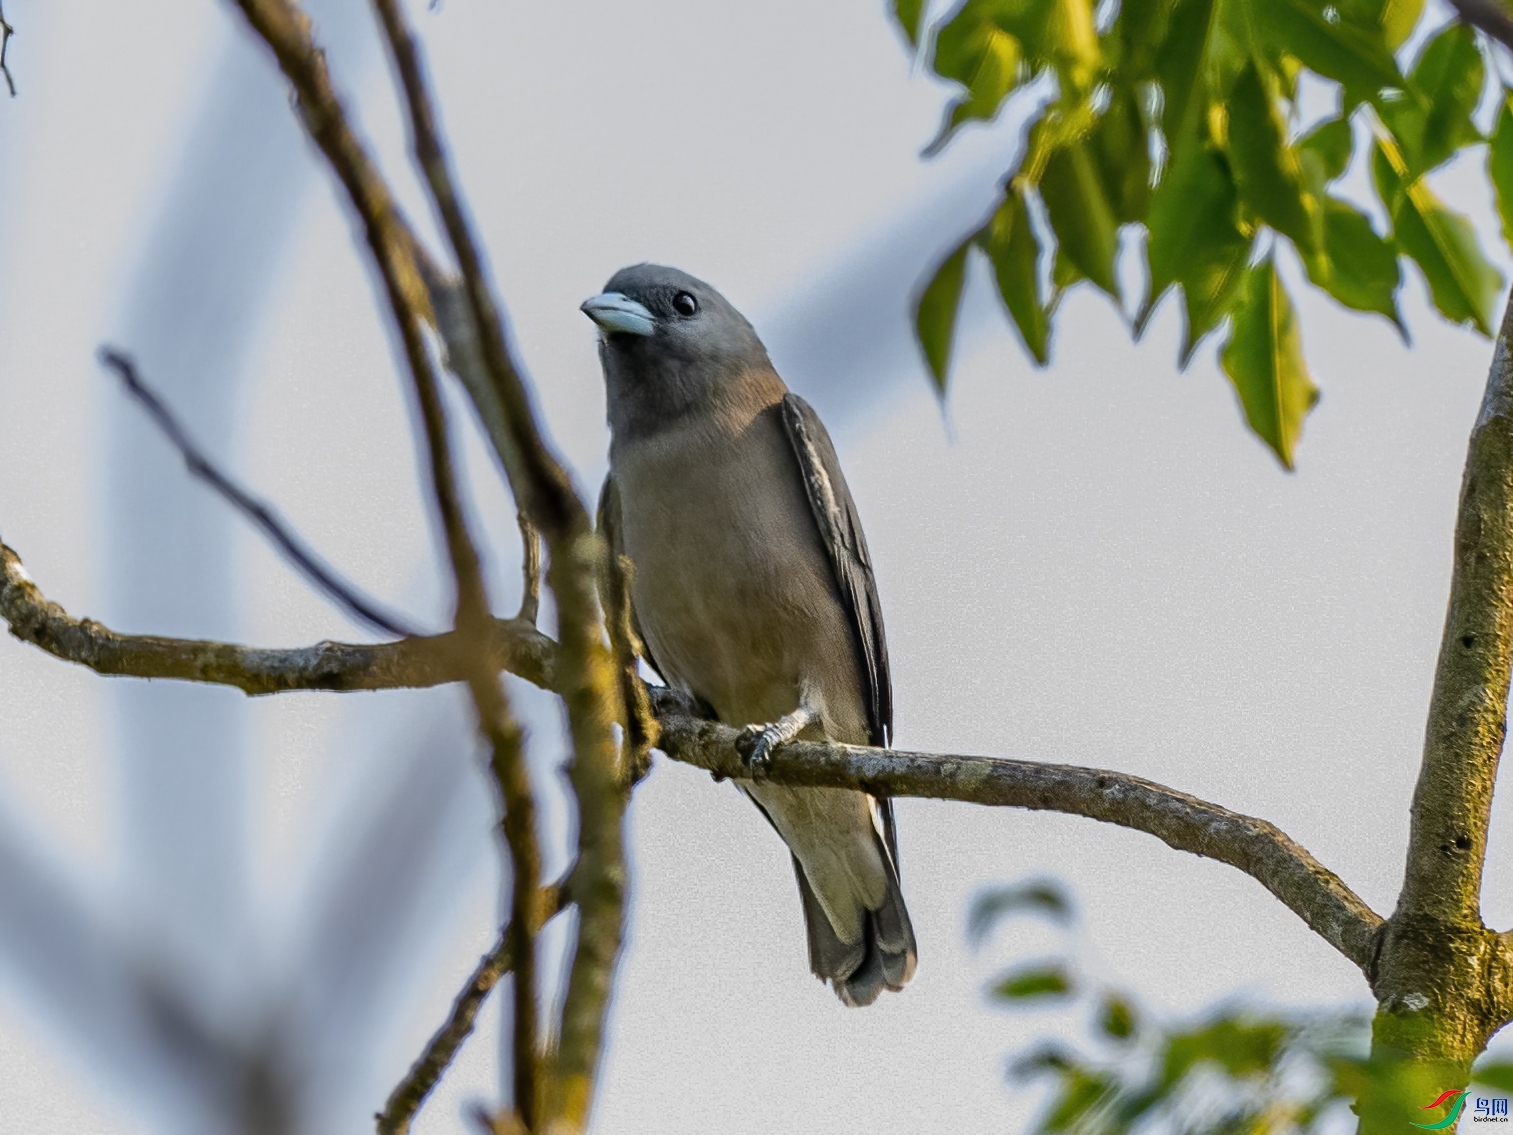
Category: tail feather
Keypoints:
(885, 956)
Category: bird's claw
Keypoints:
(755, 744)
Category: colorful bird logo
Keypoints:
(1456, 1094)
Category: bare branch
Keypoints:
(1490, 16)
(1468, 711)
(410, 663)
(304, 558)
(411, 1092)
(590, 686)
(530, 569)
(1184, 822)
(6, 31)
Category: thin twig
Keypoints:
(262, 514)
(286, 30)
(411, 1092)
(591, 690)
(1490, 16)
(410, 663)
(641, 729)
(530, 569)
(6, 31)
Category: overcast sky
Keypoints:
(1094, 563)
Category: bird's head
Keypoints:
(671, 346)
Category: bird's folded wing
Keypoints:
(840, 531)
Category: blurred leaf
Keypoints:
(1081, 1092)
(1116, 1017)
(1465, 286)
(1179, 64)
(1354, 54)
(935, 316)
(1500, 166)
(1081, 216)
(976, 52)
(1120, 145)
(1196, 239)
(983, 58)
(1241, 1047)
(1333, 141)
(1010, 242)
(1042, 898)
(1266, 167)
(1433, 120)
(1396, 18)
(1264, 360)
(910, 15)
(1498, 1075)
(1138, 32)
(1033, 982)
(1357, 267)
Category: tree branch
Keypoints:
(1452, 801)
(411, 1092)
(590, 687)
(261, 513)
(1313, 892)
(411, 663)
(6, 31)
(1490, 16)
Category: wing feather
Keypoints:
(840, 530)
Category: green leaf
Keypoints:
(1443, 243)
(1196, 240)
(1138, 33)
(1120, 145)
(1396, 18)
(910, 15)
(1081, 215)
(1266, 167)
(1497, 1075)
(1433, 120)
(1116, 1017)
(1081, 1092)
(1179, 64)
(1357, 267)
(1264, 360)
(1010, 242)
(976, 52)
(1355, 55)
(1242, 1048)
(935, 316)
(1333, 142)
(1500, 166)
(1040, 897)
(1033, 983)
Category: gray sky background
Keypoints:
(1091, 564)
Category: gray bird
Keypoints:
(753, 591)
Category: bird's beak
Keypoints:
(615, 312)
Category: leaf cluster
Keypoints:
(1167, 131)
(1229, 1071)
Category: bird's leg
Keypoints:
(756, 742)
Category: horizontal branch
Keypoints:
(516, 646)
(1313, 892)
(1257, 847)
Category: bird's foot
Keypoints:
(756, 742)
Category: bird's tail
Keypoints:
(885, 956)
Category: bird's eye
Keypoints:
(684, 304)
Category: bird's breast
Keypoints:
(732, 588)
